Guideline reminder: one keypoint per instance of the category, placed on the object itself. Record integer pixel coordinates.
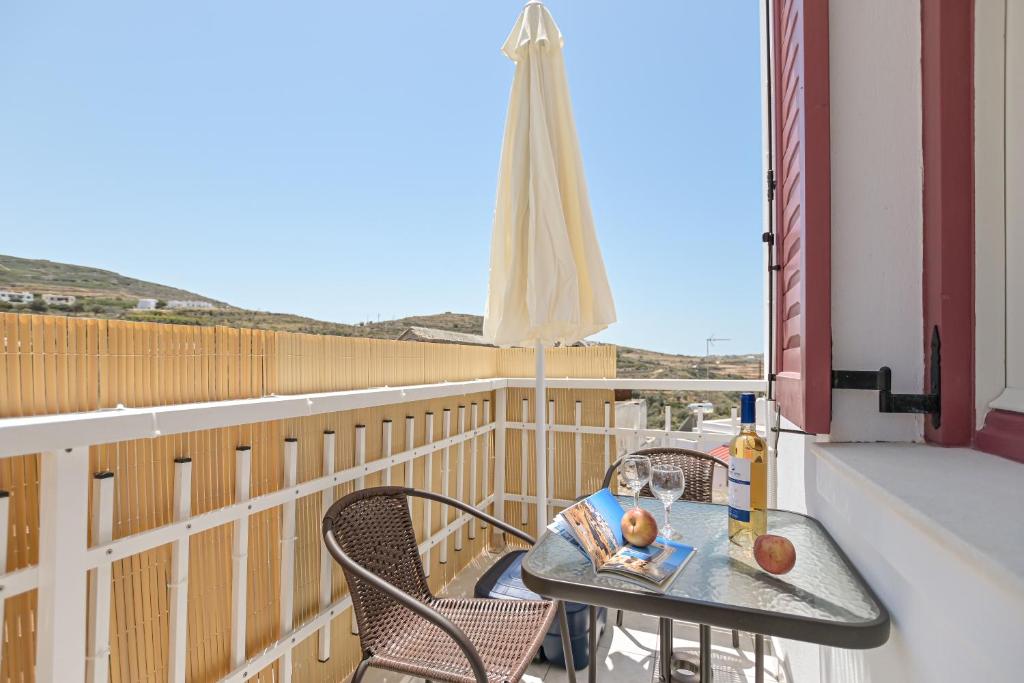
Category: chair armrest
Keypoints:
(610, 472)
(425, 611)
(473, 511)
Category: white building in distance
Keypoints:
(146, 304)
(189, 305)
(16, 297)
(59, 299)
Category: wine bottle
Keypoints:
(748, 479)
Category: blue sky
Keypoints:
(339, 160)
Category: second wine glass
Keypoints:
(667, 484)
(636, 472)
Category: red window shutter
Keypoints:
(803, 338)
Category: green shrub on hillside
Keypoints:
(110, 302)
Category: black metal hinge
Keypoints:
(770, 181)
(881, 381)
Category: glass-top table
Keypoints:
(823, 599)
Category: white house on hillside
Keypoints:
(189, 305)
(16, 297)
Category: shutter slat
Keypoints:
(791, 332)
(790, 280)
(790, 19)
(802, 205)
(791, 218)
(792, 143)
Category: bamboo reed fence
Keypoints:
(52, 365)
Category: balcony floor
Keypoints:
(628, 654)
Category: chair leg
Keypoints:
(563, 626)
(360, 671)
(618, 619)
(735, 639)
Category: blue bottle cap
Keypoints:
(748, 411)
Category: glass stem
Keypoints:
(636, 498)
(668, 511)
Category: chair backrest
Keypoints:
(373, 527)
(699, 469)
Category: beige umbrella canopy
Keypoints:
(547, 281)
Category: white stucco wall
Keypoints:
(805, 662)
(949, 574)
(875, 74)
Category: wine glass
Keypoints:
(667, 483)
(636, 472)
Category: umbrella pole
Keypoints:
(541, 436)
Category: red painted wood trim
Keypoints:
(1003, 434)
(947, 108)
(803, 213)
(818, 248)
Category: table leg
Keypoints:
(705, 653)
(686, 667)
(592, 669)
(665, 647)
(758, 658)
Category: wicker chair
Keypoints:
(403, 627)
(699, 470)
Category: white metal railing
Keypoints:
(20, 435)
(755, 385)
(65, 560)
(699, 438)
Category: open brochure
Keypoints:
(594, 525)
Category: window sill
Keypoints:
(936, 533)
(966, 501)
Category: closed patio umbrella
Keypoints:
(547, 280)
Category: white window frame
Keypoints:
(999, 215)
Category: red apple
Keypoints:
(639, 527)
(775, 554)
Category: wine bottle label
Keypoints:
(739, 489)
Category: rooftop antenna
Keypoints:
(708, 343)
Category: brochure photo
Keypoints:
(594, 525)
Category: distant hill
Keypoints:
(50, 277)
(105, 294)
